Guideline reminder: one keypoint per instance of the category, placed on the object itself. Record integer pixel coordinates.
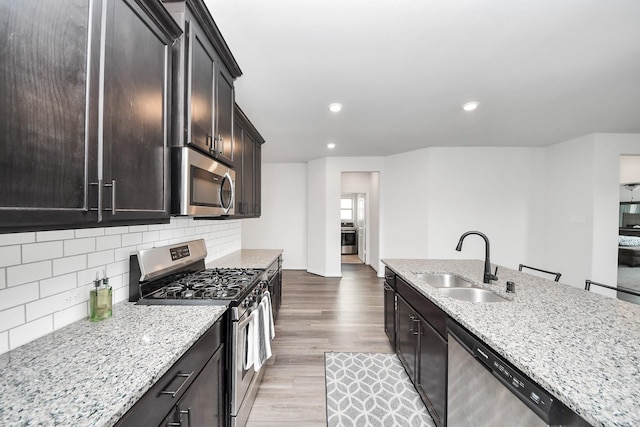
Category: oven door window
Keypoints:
(205, 188)
(348, 238)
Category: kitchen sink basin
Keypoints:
(472, 294)
(443, 280)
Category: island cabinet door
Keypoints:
(432, 376)
(407, 338)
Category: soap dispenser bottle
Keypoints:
(100, 299)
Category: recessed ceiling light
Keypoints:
(470, 106)
(335, 107)
(331, 146)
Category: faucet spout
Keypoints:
(487, 276)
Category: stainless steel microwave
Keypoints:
(200, 185)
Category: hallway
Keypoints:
(317, 314)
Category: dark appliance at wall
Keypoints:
(176, 275)
(348, 238)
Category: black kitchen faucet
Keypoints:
(488, 276)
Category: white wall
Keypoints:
(404, 200)
(317, 249)
(569, 208)
(283, 222)
(434, 195)
(45, 277)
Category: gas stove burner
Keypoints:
(211, 284)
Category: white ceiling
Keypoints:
(543, 71)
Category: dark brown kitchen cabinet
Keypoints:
(248, 145)
(390, 305)
(422, 347)
(84, 115)
(203, 402)
(191, 392)
(204, 72)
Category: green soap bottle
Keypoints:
(100, 300)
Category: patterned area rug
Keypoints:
(372, 390)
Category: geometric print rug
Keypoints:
(371, 390)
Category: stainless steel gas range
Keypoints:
(176, 275)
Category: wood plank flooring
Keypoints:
(317, 314)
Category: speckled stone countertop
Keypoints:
(247, 258)
(582, 347)
(90, 374)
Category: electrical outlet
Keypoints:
(73, 297)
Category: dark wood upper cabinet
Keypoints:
(84, 113)
(204, 72)
(248, 145)
(44, 147)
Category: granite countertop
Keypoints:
(247, 258)
(581, 346)
(90, 374)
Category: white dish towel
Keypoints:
(260, 332)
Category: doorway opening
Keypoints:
(359, 217)
(629, 226)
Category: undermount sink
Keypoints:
(443, 280)
(471, 294)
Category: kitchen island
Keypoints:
(90, 374)
(582, 347)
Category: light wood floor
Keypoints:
(317, 315)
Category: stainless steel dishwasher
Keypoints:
(484, 390)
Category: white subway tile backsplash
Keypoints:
(101, 258)
(17, 238)
(150, 236)
(165, 234)
(86, 277)
(18, 295)
(58, 284)
(45, 277)
(89, 232)
(48, 236)
(30, 331)
(116, 230)
(25, 273)
(123, 254)
(10, 255)
(138, 228)
(69, 315)
(46, 306)
(4, 342)
(68, 264)
(40, 251)
(108, 242)
(131, 239)
(116, 268)
(79, 246)
(11, 318)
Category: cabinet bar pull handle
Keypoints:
(186, 379)
(113, 197)
(100, 201)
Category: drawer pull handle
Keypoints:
(186, 379)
